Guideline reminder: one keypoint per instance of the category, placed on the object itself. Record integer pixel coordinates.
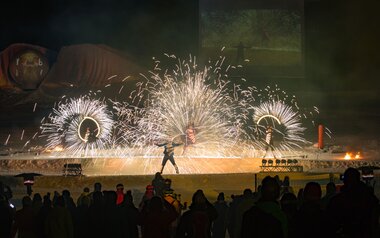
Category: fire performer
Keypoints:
(169, 155)
(87, 135)
(269, 141)
(189, 137)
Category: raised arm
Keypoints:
(160, 145)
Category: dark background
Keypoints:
(340, 71)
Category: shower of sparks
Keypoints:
(22, 135)
(284, 120)
(6, 141)
(282, 112)
(170, 101)
(62, 126)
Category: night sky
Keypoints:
(341, 45)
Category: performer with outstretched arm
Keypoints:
(169, 155)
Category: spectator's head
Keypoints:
(47, 201)
(270, 189)
(97, 197)
(149, 191)
(155, 204)
(86, 190)
(330, 188)
(97, 187)
(312, 192)
(66, 193)
(220, 196)
(286, 182)
(199, 198)
(85, 201)
(26, 202)
(37, 198)
(120, 187)
(351, 178)
(158, 176)
(247, 193)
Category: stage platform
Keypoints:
(91, 166)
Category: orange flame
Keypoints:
(348, 156)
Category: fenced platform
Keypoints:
(72, 169)
(280, 165)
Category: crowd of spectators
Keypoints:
(271, 211)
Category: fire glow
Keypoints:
(350, 156)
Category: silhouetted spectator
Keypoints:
(198, 220)
(158, 184)
(310, 220)
(119, 193)
(37, 202)
(266, 219)
(231, 216)
(25, 220)
(5, 191)
(129, 215)
(285, 187)
(6, 217)
(70, 206)
(174, 200)
(42, 215)
(55, 197)
(96, 216)
(289, 206)
(84, 194)
(112, 216)
(97, 188)
(59, 222)
(149, 193)
(81, 216)
(277, 178)
(219, 226)
(354, 211)
(244, 204)
(156, 218)
(330, 192)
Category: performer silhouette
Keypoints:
(269, 141)
(87, 135)
(169, 155)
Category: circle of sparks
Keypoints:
(93, 120)
(62, 128)
(268, 115)
(292, 129)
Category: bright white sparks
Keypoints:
(62, 126)
(171, 101)
(284, 120)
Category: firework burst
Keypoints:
(80, 125)
(285, 122)
(273, 107)
(172, 101)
